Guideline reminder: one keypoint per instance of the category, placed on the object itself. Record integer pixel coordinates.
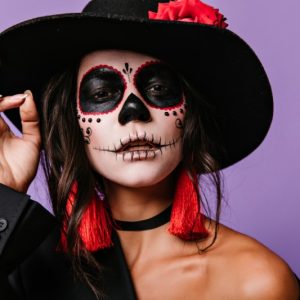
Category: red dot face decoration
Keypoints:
(131, 111)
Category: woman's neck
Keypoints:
(133, 204)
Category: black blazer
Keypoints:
(31, 267)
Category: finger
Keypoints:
(9, 102)
(6, 103)
(3, 126)
(30, 119)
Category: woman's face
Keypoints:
(131, 109)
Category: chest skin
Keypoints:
(190, 277)
(167, 268)
(235, 267)
(177, 278)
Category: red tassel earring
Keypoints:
(95, 226)
(186, 221)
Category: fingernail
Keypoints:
(28, 92)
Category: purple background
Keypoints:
(263, 190)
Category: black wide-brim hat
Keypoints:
(215, 61)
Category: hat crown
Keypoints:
(127, 8)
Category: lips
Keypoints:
(138, 146)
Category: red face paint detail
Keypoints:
(147, 64)
(93, 69)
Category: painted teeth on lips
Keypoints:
(139, 146)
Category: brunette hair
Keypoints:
(65, 161)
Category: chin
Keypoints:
(139, 174)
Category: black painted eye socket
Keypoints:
(159, 85)
(101, 90)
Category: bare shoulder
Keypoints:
(258, 273)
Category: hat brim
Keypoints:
(216, 61)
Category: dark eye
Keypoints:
(104, 94)
(157, 89)
(159, 85)
(101, 90)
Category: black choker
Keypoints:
(154, 222)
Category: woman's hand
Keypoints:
(19, 156)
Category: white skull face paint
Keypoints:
(131, 110)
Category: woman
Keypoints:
(127, 133)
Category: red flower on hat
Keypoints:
(193, 11)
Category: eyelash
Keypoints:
(108, 93)
(152, 89)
